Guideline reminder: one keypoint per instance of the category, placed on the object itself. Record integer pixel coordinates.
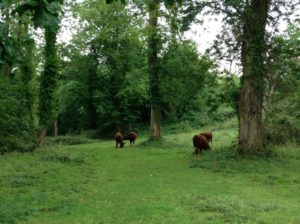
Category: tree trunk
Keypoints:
(42, 137)
(153, 41)
(55, 128)
(251, 129)
(48, 82)
(155, 123)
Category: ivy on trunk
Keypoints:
(251, 129)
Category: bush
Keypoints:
(223, 112)
(14, 143)
(15, 121)
(283, 118)
(178, 127)
(69, 140)
(283, 130)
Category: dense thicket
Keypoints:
(283, 93)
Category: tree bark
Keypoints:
(48, 82)
(251, 129)
(155, 123)
(42, 137)
(153, 46)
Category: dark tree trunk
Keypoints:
(48, 84)
(55, 128)
(153, 46)
(251, 129)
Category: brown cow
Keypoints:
(207, 135)
(200, 142)
(131, 136)
(119, 140)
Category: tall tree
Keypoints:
(251, 130)
(154, 41)
(245, 36)
(48, 81)
(46, 14)
(153, 66)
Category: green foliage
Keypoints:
(44, 13)
(8, 46)
(109, 85)
(105, 81)
(14, 119)
(283, 118)
(283, 95)
(17, 74)
(191, 89)
(182, 76)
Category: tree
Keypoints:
(245, 35)
(46, 14)
(153, 66)
(48, 82)
(182, 71)
(107, 61)
(251, 130)
(153, 60)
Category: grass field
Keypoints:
(160, 182)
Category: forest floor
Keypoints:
(161, 182)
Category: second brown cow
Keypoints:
(131, 136)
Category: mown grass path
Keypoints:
(150, 183)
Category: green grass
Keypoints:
(159, 182)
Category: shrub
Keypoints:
(15, 143)
(69, 140)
